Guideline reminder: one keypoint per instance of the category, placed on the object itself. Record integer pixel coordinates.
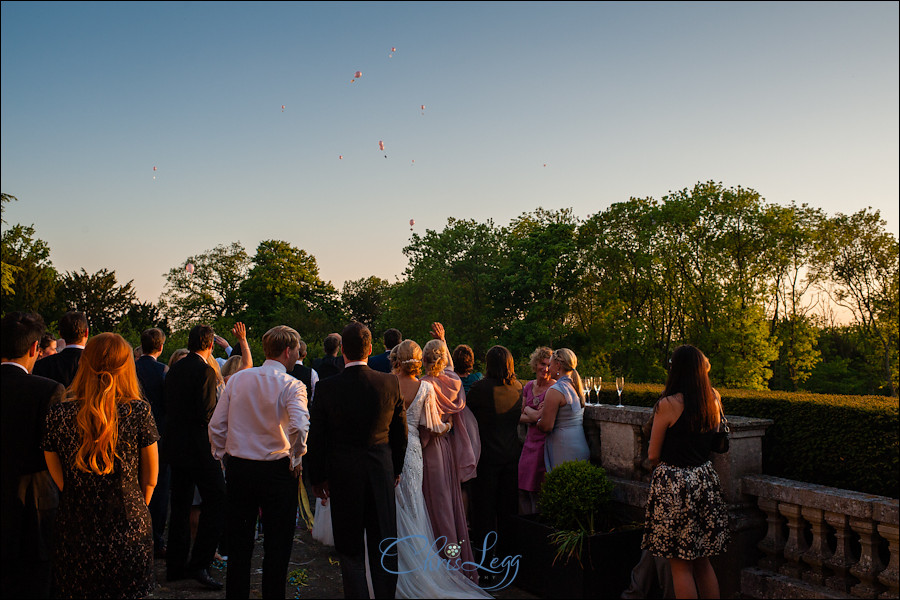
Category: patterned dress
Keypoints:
(104, 546)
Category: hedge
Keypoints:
(847, 442)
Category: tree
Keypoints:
(8, 271)
(284, 287)
(34, 280)
(99, 297)
(210, 290)
(864, 269)
(364, 300)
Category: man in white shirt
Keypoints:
(259, 427)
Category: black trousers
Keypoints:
(495, 497)
(210, 482)
(255, 486)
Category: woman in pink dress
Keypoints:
(449, 459)
(531, 462)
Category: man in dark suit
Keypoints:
(62, 366)
(152, 376)
(190, 402)
(29, 496)
(382, 362)
(309, 377)
(332, 363)
(357, 443)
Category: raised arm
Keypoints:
(240, 332)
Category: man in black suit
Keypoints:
(30, 497)
(190, 402)
(330, 364)
(382, 362)
(62, 366)
(305, 374)
(357, 443)
(152, 376)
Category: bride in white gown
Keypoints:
(422, 572)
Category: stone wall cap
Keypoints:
(848, 502)
(638, 415)
(886, 511)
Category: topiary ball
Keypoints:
(574, 494)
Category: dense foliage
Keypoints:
(574, 495)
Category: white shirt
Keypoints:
(261, 415)
(313, 380)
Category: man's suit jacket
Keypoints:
(381, 362)
(304, 374)
(152, 376)
(25, 400)
(328, 366)
(190, 402)
(60, 367)
(357, 443)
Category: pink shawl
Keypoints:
(465, 442)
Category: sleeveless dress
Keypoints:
(566, 442)
(104, 535)
(531, 462)
(419, 577)
(687, 517)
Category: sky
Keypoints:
(527, 105)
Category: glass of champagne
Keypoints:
(587, 389)
(598, 383)
(620, 384)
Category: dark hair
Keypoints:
(332, 343)
(200, 338)
(392, 337)
(355, 340)
(689, 376)
(463, 360)
(152, 340)
(19, 331)
(236, 351)
(46, 340)
(73, 326)
(498, 364)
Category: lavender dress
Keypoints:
(566, 442)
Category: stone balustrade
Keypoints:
(833, 540)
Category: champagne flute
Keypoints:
(598, 383)
(620, 384)
(587, 389)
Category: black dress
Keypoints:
(104, 545)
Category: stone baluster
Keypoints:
(773, 544)
(869, 565)
(818, 551)
(842, 559)
(795, 545)
(887, 514)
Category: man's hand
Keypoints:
(297, 471)
(221, 342)
(321, 490)
(240, 331)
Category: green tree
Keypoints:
(34, 280)
(7, 270)
(211, 290)
(98, 296)
(284, 288)
(364, 300)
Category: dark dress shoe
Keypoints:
(202, 576)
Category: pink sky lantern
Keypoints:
(381, 146)
(340, 157)
(154, 168)
(411, 223)
(356, 76)
(189, 268)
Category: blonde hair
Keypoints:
(434, 357)
(540, 353)
(278, 339)
(178, 355)
(106, 378)
(232, 366)
(409, 358)
(569, 361)
(211, 361)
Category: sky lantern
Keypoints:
(282, 108)
(356, 76)
(411, 223)
(391, 55)
(189, 268)
(340, 157)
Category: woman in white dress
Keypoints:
(423, 572)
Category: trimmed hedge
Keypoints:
(847, 442)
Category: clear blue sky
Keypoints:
(798, 101)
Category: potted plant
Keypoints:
(579, 545)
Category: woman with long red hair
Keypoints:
(100, 447)
(687, 519)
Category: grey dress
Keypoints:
(566, 442)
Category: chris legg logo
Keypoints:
(418, 555)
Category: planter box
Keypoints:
(608, 559)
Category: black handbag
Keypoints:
(720, 440)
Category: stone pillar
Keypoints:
(818, 551)
(842, 559)
(796, 542)
(869, 565)
(773, 544)
(885, 514)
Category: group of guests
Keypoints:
(411, 445)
